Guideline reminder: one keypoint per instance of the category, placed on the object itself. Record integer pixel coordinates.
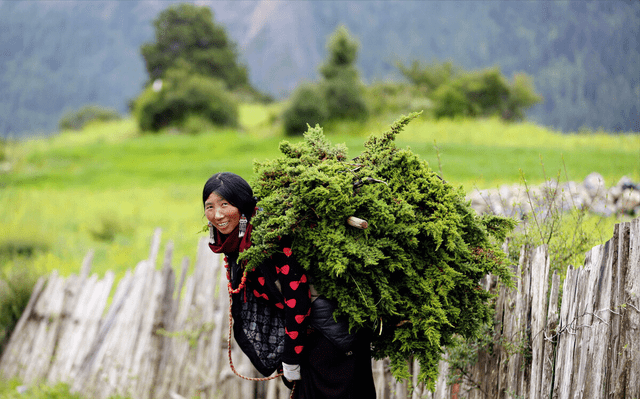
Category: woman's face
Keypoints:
(221, 213)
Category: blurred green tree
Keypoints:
(340, 95)
(183, 98)
(192, 69)
(428, 77)
(342, 88)
(308, 106)
(474, 94)
(76, 120)
(187, 32)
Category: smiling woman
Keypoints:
(278, 316)
(227, 200)
(221, 214)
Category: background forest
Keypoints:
(583, 56)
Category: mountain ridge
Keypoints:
(56, 56)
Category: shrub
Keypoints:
(345, 99)
(428, 77)
(308, 106)
(76, 120)
(450, 102)
(181, 94)
(23, 243)
(569, 235)
(17, 275)
(15, 291)
(396, 98)
(3, 150)
(472, 94)
(522, 95)
(107, 227)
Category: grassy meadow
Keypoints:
(108, 187)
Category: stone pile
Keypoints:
(518, 201)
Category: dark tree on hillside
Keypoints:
(456, 92)
(188, 32)
(342, 87)
(428, 77)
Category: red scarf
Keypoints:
(227, 244)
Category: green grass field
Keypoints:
(108, 187)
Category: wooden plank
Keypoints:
(183, 275)
(566, 337)
(168, 318)
(205, 307)
(539, 288)
(506, 322)
(219, 337)
(154, 249)
(49, 310)
(629, 386)
(193, 362)
(110, 366)
(82, 321)
(548, 358)
(619, 270)
(379, 370)
(516, 382)
(91, 316)
(596, 377)
(151, 351)
(90, 366)
(585, 297)
(65, 348)
(174, 379)
(143, 313)
(85, 269)
(109, 361)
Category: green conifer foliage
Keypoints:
(412, 276)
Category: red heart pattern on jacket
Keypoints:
(298, 349)
(287, 251)
(300, 318)
(291, 334)
(294, 284)
(284, 269)
(261, 280)
(291, 303)
(259, 295)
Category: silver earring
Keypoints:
(212, 234)
(243, 226)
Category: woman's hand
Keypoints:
(291, 371)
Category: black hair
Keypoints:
(234, 189)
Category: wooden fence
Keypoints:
(588, 347)
(162, 338)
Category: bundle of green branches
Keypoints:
(412, 276)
